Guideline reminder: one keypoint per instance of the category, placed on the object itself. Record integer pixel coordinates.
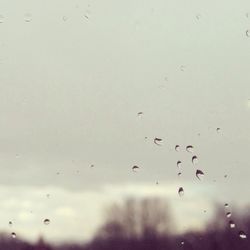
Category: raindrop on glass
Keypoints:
(140, 113)
(189, 148)
(135, 168)
(10, 223)
(65, 18)
(27, 17)
(181, 191)
(48, 196)
(231, 224)
(178, 164)
(177, 148)
(226, 205)
(242, 235)
(228, 214)
(182, 242)
(13, 235)
(218, 130)
(248, 33)
(46, 222)
(194, 159)
(157, 141)
(199, 174)
(179, 174)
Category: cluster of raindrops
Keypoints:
(199, 173)
(231, 222)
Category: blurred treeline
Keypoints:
(147, 224)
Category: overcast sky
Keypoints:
(74, 75)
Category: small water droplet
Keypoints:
(177, 148)
(226, 205)
(27, 17)
(242, 235)
(139, 113)
(189, 148)
(228, 214)
(48, 196)
(199, 174)
(231, 224)
(198, 16)
(182, 67)
(179, 164)
(248, 33)
(65, 18)
(194, 159)
(135, 168)
(182, 242)
(92, 165)
(157, 141)
(179, 174)
(10, 223)
(181, 191)
(46, 222)
(13, 235)
(225, 176)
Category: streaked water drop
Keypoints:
(194, 159)
(177, 148)
(13, 235)
(179, 164)
(181, 191)
(199, 174)
(242, 235)
(46, 222)
(231, 224)
(1, 18)
(189, 148)
(228, 214)
(157, 141)
(135, 168)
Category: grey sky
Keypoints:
(73, 78)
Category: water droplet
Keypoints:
(140, 113)
(198, 16)
(181, 191)
(13, 235)
(157, 141)
(218, 130)
(199, 174)
(135, 168)
(10, 223)
(157, 183)
(248, 33)
(177, 148)
(179, 174)
(92, 165)
(182, 67)
(182, 242)
(226, 205)
(194, 159)
(48, 196)
(189, 148)
(65, 18)
(86, 16)
(242, 235)
(1, 19)
(231, 224)
(178, 164)
(46, 222)
(225, 176)
(228, 214)
(27, 17)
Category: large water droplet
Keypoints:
(181, 191)
(157, 141)
(177, 148)
(194, 159)
(199, 174)
(27, 17)
(228, 214)
(242, 235)
(189, 148)
(135, 168)
(46, 222)
(179, 164)
(13, 235)
(231, 224)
